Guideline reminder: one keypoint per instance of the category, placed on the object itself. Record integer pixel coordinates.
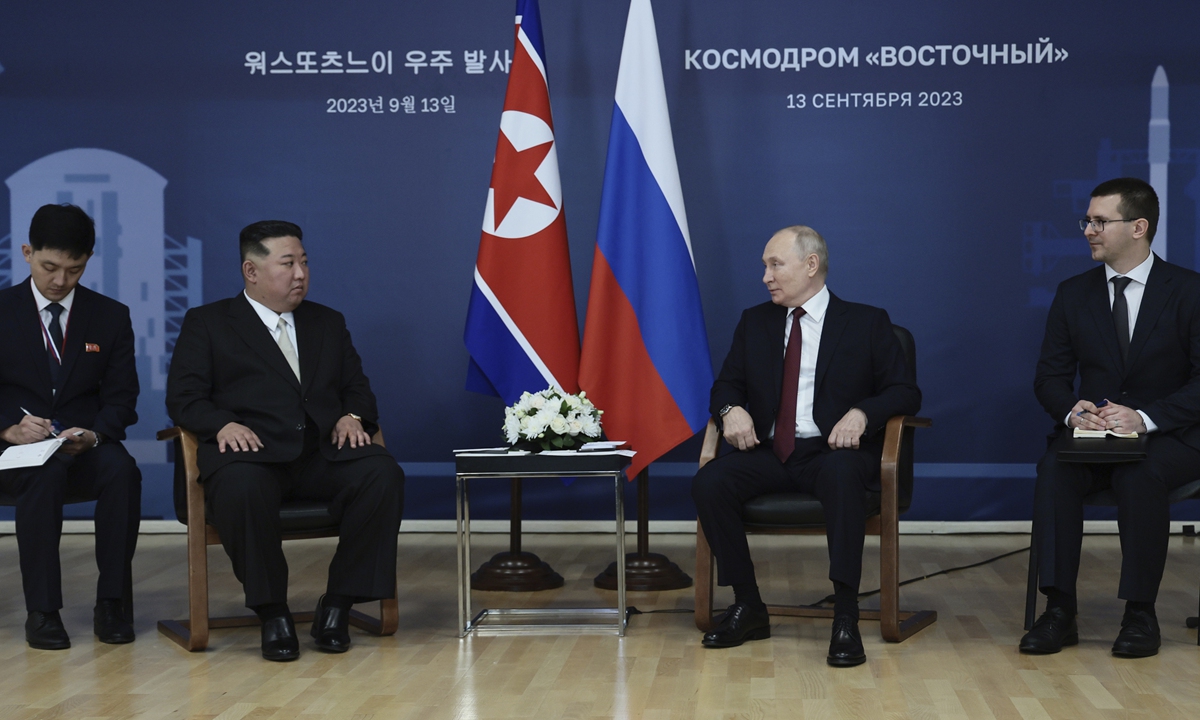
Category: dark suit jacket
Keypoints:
(97, 390)
(227, 368)
(859, 364)
(1162, 375)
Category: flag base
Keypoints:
(515, 572)
(645, 573)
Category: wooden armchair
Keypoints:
(300, 520)
(801, 514)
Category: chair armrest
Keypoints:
(169, 433)
(889, 467)
(712, 438)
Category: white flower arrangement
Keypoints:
(552, 420)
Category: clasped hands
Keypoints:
(33, 429)
(739, 429)
(1105, 415)
(239, 438)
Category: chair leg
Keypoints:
(1031, 585)
(389, 617)
(193, 634)
(704, 582)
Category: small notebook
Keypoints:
(1080, 433)
(31, 455)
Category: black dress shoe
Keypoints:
(45, 631)
(1139, 636)
(1053, 631)
(331, 628)
(109, 623)
(279, 643)
(740, 623)
(845, 644)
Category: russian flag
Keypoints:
(522, 333)
(645, 350)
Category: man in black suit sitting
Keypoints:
(1129, 330)
(275, 392)
(67, 370)
(804, 395)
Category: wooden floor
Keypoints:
(964, 666)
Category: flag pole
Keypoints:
(644, 571)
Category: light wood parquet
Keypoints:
(964, 666)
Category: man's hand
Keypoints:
(238, 438)
(739, 429)
(76, 444)
(1121, 419)
(349, 429)
(31, 429)
(848, 430)
(1086, 416)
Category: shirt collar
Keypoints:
(1139, 274)
(269, 317)
(815, 306)
(41, 301)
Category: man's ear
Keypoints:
(27, 252)
(249, 271)
(813, 264)
(1140, 227)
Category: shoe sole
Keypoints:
(282, 658)
(1128, 654)
(845, 662)
(333, 648)
(49, 646)
(121, 640)
(758, 634)
(1068, 641)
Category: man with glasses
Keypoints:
(1130, 331)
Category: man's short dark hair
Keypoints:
(251, 239)
(65, 227)
(1138, 200)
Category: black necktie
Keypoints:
(1120, 310)
(56, 338)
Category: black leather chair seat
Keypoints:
(307, 516)
(792, 510)
(302, 516)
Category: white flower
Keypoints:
(574, 426)
(558, 425)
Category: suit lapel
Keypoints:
(77, 328)
(776, 325)
(831, 333)
(1158, 290)
(30, 325)
(308, 337)
(1101, 312)
(249, 326)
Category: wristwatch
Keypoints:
(356, 417)
(725, 410)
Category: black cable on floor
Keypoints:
(631, 610)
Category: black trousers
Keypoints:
(838, 478)
(1143, 516)
(367, 497)
(106, 474)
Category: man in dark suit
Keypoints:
(1130, 331)
(67, 370)
(804, 395)
(275, 392)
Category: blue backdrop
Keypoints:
(944, 149)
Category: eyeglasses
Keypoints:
(1098, 224)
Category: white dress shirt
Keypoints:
(270, 318)
(811, 324)
(41, 302)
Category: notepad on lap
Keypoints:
(1079, 433)
(31, 455)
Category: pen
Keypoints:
(1100, 404)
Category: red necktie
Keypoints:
(785, 419)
